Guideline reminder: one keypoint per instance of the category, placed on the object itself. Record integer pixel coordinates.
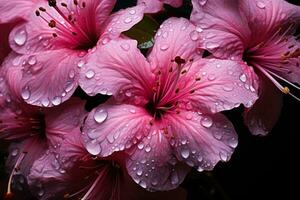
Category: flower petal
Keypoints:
(111, 128)
(121, 21)
(13, 10)
(176, 37)
(202, 140)
(264, 114)
(5, 48)
(45, 79)
(224, 31)
(117, 68)
(154, 6)
(221, 84)
(152, 164)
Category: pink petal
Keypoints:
(152, 6)
(202, 140)
(176, 37)
(265, 17)
(223, 84)
(121, 21)
(152, 165)
(111, 128)
(64, 120)
(46, 79)
(224, 31)
(13, 10)
(117, 68)
(264, 114)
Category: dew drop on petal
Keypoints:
(200, 169)
(128, 20)
(125, 46)
(148, 148)
(243, 78)
(56, 100)
(164, 47)
(93, 147)
(139, 172)
(233, 142)
(32, 60)
(185, 153)
(143, 184)
(227, 88)
(80, 64)
(25, 93)
(194, 35)
(45, 102)
(174, 178)
(15, 152)
(90, 74)
(206, 122)
(132, 12)
(20, 37)
(202, 2)
(41, 192)
(100, 115)
(223, 156)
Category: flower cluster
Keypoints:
(163, 116)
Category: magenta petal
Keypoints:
(46, 79)
(154, 6)
(111, 128)
(223, 84)
(122, 21)
(176, 37)
(264, 114)
(202, 140)
(116, 67)
(152, 165)
(17, 9)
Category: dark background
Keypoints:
(260, 168)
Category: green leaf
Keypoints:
(144, 32)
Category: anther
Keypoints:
(285, 90)
(198, 79)
(183, 71)
(54, 34)
(75, 2)
(52, 3)
(177, 90)
(42, 9)
(64, 5)
(83, 4)
(179, 60)
(192, 91)
(52, 23)
(37, 13)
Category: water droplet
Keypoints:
(72, 74)
(164, 47)
(90, 74)
(189, 116)
(212, 45)
(207, 122)
(233, 142)
(224, 156)
(16, 61)
(128, 20)
(128, 93)
(261, 4)
(32, 60)
(100, 115)
(185, 153)
(140, 145)
(105, 41)
(93, 147)
(45, 102)
(199, 29)
(200, 169)
(174, 178)
(243, 78)
(25, 93)
(110, 138)
(20, 37)
(218, 65)
(218, 135)
(56, 100)
(227, 88)
(211, 77)
(15, 152)
(125, 46)
(139, 172)
(202, 2)
(132, 111)
(154, 182)
(252, 89)
(132, 12)
(80, 63)
(199, 158)
(148, 148)
(194, 35)
(41, 192)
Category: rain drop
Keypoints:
(45, 102)
(20, 37)
(174, 178)
(164, 47)
(261, 5)
(125, 46)
(194, 35)
(56, 101)
(100, 115)
(80, 64)
(185, 153)
(15, 152)
(32, 60)
(132, 12)
(128, 20)
(139, 172)
(90, 74)
(202, 2)
(207, 122)
(25, 94)
(243, 78)
(148, 148)
(93, 147)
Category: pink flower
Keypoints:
(153, 6)
(165, 107)
(56, 41)
(34, 130)
(70, 172)
(260, 32)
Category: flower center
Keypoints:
(171, 87)
(67, 21)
